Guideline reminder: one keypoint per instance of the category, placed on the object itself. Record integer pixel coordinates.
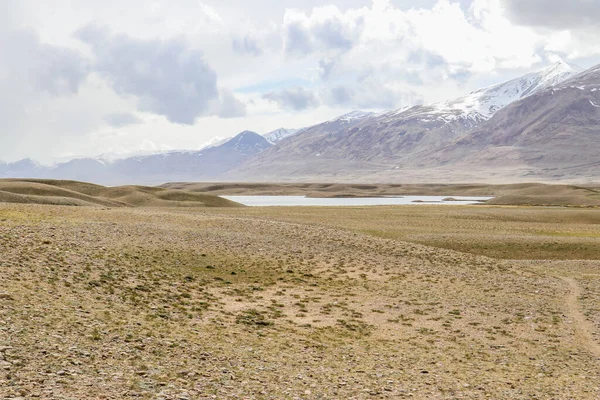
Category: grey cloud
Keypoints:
(119, 120)
(303, 36)
(341, 96)
(428, 63)
(426, 58)
(297, 39)
(230, 106)
(32, 75)
(334, 35)
(555, 14)
(246, 45)
(370, 94)
(296, 98)
(326, 67)
(462, 75)
(167, 76)
(53, 69)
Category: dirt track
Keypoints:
(582, 325)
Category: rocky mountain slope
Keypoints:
(368, 143)
(307, 149)
(554, 133)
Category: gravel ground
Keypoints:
(100, 303)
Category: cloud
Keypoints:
(167, 77)
(555, 14)
(122, 119)
(568, 29)
(326, 67)
(426, 58)
(36, 79)
(230, 106)
(325, 29)
(296, 98)
(371, 93)
(246, 45)
(43, 67)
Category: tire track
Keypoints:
(583, 328)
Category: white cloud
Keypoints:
(166, 76)
(174, 74)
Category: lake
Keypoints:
(282, 201)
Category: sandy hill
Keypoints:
(73, 193)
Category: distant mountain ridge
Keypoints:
(554, 133)
(542, 125)
(204, 164)
(363, 143)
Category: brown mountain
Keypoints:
(395, 146)
(554, 134)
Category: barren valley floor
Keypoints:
(299, 303)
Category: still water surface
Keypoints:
(261, 201)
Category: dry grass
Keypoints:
(504, 232)
(292, 303)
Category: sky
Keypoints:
(116, 78)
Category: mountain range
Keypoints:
(205, 164)
(542, 126)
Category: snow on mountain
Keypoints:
(354, 116)
(588, 81)
(480, 105)
(361, 140)
(26, 168)
(554, 133)
(279, 134)
(487, 101)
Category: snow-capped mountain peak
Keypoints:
(247, 141)
(354, 116)
(480, 105)
(279, 134)
(483, 103)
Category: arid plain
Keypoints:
(104, 300)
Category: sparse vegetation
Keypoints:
(383, 302)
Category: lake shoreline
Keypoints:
(306, 201)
